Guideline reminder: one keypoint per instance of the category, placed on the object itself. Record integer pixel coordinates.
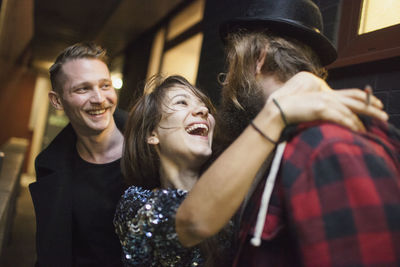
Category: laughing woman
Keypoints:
(167, 141)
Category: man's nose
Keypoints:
(97, 96)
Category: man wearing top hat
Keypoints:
(336, 193)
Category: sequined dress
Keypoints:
(145, 224)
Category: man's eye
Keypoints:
(81, 89)
(106, 86)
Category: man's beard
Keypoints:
(232, 120)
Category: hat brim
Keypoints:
(318, 42)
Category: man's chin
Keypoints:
(98, 126)
(233, 121)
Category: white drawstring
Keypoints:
(269, 186)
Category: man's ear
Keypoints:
(153, 139)
(260, 61)
(55, 100)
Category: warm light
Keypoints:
(185, 19)
(156, 53)
(117, 80)
(42, 65)
(379, 14)
(184, 58)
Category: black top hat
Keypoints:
(299, 19)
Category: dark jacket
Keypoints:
(51, 196)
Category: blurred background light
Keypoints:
(116, 79)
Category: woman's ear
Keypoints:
(55, 100)
(153, 139)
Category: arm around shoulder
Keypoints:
(221, 189)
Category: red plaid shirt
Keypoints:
(336, 201)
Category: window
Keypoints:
(156, 53)
(177, 45)
(190, 16)
(369, 30)
(378, 14)
(184, 58)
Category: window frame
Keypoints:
(353, 48)
(183, 36)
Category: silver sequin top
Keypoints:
(145, 224)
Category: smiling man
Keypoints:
(78, 175)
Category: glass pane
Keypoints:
(183, 59)
(187, 18)
(156, 53)
(379, 14)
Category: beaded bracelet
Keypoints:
(281, 111)
(263, 134)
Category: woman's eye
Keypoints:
(181, 102)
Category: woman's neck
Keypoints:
(173, 176)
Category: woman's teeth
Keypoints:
(198, 129)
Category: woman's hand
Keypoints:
(305, 97)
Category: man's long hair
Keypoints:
(242, 96)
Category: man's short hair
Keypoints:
(76, 51)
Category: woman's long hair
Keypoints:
(140, 162)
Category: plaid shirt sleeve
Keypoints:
(341, 193)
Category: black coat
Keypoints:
(51, 196)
